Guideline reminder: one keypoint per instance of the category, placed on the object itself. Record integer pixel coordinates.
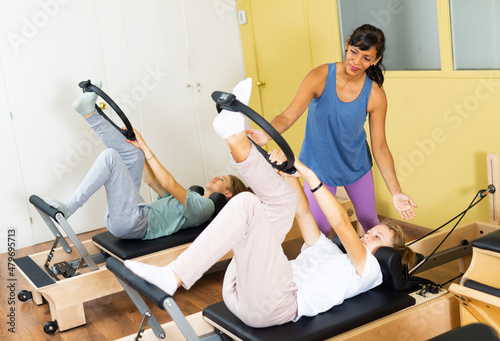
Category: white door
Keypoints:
(15, 222)
(163, 89)
(48, 50)
(216, 61)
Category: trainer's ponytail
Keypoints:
(375, 73)
(365, 37)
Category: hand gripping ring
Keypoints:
(87, 86)
(229, 102)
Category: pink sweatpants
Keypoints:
(258, 285)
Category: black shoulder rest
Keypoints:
(219, 199)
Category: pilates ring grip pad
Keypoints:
(228, 101)
(87, 86)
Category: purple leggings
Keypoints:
(362, 195)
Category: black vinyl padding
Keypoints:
(198, 189)
(354, 312)
(490, 242)
(390, 261)
(219, 199)
(474, 331)
(482, 287)
(133, 248)
(148, 290)
(43, 206)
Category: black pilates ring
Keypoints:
(87, 86)
(228, 101)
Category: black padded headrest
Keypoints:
(198, 189)
(489, 242)
(390, 261)
(219, 199)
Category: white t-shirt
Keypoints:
(325, 277)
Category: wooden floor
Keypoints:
(115, 316)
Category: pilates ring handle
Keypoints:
(228, 101)
(87, 86)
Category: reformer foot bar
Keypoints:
(136, 286)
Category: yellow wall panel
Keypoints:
(440, 124)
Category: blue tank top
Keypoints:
(335, 145)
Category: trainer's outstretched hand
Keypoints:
(404, 204)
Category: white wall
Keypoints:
(146, 53)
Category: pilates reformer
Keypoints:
(380, 313)
(69, 282)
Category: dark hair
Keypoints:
(365, 37)
(398, 242)
(236, 186)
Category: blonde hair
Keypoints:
(236, 186)
(399, 243)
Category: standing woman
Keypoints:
(340, 96)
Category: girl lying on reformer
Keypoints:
(120, 168)
(261, 286)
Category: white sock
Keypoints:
(243, 90)
(162, 277)
(228, 123)
(59, 206)
(86, 103)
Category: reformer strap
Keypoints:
(228, 101)
(87, 86)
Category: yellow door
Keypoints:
(278, 39)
